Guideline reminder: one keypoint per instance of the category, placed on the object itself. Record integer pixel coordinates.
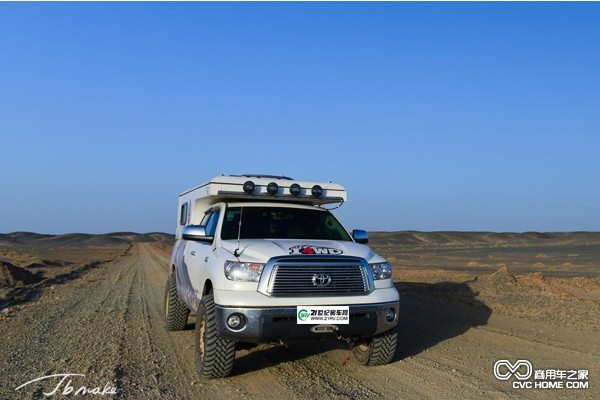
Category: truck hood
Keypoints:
(261, 250)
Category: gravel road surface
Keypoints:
(106, 325)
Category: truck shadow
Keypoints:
(431, 313)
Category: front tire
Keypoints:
(378, 350)
(176, 313)
(214, 354)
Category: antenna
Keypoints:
(237, 250)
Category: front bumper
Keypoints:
(279, 323)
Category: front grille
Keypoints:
(294, 277)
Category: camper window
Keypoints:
(183, 214)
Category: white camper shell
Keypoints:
(259, 259)
(194, 202)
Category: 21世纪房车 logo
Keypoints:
(303, 315)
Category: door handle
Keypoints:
(193, 252)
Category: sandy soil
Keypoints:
(103, 320)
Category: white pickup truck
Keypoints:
(259, 258)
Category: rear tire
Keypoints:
(378, 350)
(214, 354)
(176, 313)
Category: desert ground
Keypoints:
(92, 305)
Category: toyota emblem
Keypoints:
(321, 280)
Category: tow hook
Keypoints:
(324, 328)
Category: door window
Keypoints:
(210, 222)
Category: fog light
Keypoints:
(249, 187)
(390, 315)
(317, 191)
(235, 321)
(272, 188)
(295, 190)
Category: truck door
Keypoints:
(197, 254)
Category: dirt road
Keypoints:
(107, 326)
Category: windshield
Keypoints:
(282, 223)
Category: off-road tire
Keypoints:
(214, 354)
(175, 312)
(378, 350)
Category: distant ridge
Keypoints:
(90, 239)
(416, 238)
(399, 238)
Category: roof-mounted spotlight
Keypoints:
(316, 191)
(295, 190)
(272, 188)
(249, 187)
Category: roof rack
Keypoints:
(265, 176)
(267, 188)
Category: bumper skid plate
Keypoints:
(280, 323)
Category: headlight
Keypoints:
(381, 270)
(243, 272)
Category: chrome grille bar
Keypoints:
(292, 276)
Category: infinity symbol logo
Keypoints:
(503, 369)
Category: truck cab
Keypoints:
(261, 259)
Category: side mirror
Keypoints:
(360, 236)
(197, 233)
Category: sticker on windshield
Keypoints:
(305, 249)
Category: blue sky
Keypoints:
(435, 116)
